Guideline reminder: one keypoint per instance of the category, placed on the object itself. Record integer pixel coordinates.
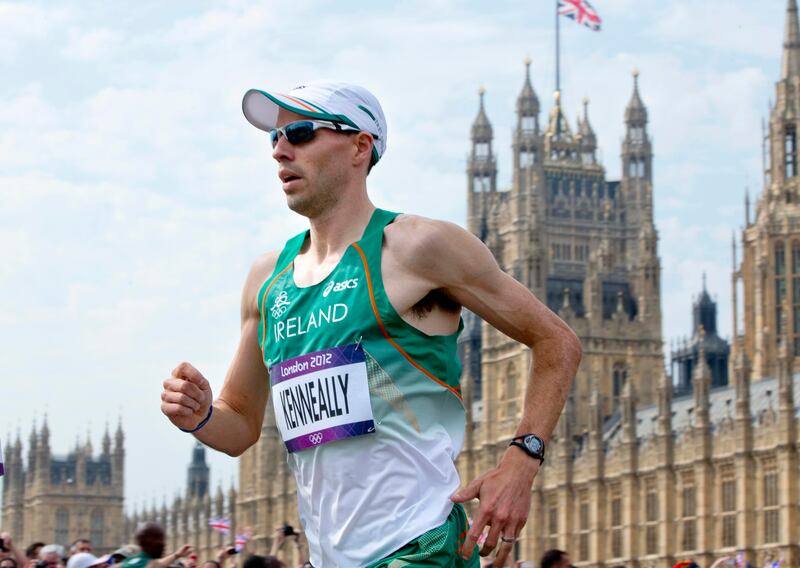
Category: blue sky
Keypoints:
(134, 195)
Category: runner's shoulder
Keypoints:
(264, 265)
(413, 240)
(261, 269)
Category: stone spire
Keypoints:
(635, 112)
(106, 442)
(527, 101)
(558, 127)
(791, 43)
(585, 129)
(481, 127)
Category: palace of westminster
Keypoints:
(647, 465)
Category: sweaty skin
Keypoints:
(431, 269)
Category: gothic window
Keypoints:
(619, 376)
(651, 517)
(528, 123)
(62, 527)
(552, 525)
(728, 508)
(688, 516)
(616, 524)
(511, 390)
(583, 527)
(796, 296)
(790, 152)
(482, 183)
(97, 528)
(482, 149)
(780, 288)
(527, 158)
(771, 503)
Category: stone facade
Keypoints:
(60, 499)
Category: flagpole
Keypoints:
(558, 51)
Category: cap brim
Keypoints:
(261, 108)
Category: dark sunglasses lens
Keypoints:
(299, 132)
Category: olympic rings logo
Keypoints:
(280, 305)
(315, 438)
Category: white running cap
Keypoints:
(343, 103)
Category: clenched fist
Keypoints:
(186, 397)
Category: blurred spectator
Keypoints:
(51, 555)
(8, 550)
(257, 561)
(555, 558)
(80, 545)
(8, 562)
(32, 554)
(151, 540)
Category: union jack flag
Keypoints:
(580, 11)
(241, 540)
(220, 524)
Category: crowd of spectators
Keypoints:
(149, 552)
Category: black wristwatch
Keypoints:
(531, 444)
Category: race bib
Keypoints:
(322, 397)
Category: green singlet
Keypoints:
(369, 408)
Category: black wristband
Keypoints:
(203, 423)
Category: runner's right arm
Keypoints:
(238, 413)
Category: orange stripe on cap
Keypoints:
(264, 303)
(302, 104)
(386, 333)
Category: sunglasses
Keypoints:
(303, 131)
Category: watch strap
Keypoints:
(519, 441)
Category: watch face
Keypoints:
(534, 444)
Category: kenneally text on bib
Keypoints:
(322, 397)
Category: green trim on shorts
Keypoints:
(436, 548)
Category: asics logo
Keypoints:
(280, 306)
(315, 438)
(339, 286)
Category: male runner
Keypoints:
(352, 329)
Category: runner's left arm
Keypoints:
(463, 267)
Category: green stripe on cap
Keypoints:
(305, 112)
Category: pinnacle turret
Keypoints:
(528, 102)
(584, 127)
(481, 127)
(791, 43)
(558, 127)
(635, 112)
